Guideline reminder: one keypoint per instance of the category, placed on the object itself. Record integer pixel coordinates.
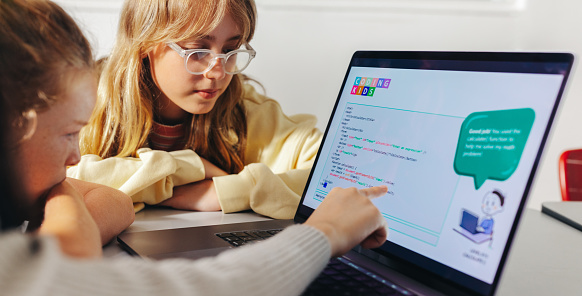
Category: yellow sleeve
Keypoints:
(148, 178)
(259, 189)
(281, 142)
(280, 152)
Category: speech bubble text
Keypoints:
(491, 143)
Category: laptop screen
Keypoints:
(448, 133)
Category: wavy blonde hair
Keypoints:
(124, 113)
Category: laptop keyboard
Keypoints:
(239, 238)
(340, 277)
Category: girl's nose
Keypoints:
(217, 71)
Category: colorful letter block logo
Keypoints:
(366, 86)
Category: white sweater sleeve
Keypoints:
(282, 265)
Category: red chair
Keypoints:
(570, 171)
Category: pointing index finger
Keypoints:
(374, 192)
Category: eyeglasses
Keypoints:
(200, 61)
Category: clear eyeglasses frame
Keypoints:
(200, 61)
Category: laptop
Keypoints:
(569, 212)
(443, 130)
(469, 228)
(469, 222)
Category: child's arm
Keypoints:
(148, 178)
(258, 188)
(111, 209)
(197, 196)
(279, 155)
(67, 218)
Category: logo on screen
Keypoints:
(366, 86)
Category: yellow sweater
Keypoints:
(280, 152)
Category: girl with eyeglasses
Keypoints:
(47, 92)
(177, 124)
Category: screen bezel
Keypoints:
(514, 62)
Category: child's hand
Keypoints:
(67, 218)
(347, 217)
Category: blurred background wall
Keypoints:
(304, 46)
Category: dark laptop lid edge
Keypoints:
(547, 209)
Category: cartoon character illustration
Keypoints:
(480, 229)
(492, 204)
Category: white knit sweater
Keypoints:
(282, 265)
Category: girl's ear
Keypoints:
(27, 123)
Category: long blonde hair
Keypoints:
(124, 113)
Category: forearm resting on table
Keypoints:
(197, 196)
(111, 209)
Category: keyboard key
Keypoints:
(239, 238)
(261, 233)
(342, 277)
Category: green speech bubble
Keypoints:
(491, 143)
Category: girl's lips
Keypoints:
(207, 93)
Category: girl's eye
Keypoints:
(195, 47)
(190, 46)
(72, 135)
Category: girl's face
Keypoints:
(42, 160)
(182, 92)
